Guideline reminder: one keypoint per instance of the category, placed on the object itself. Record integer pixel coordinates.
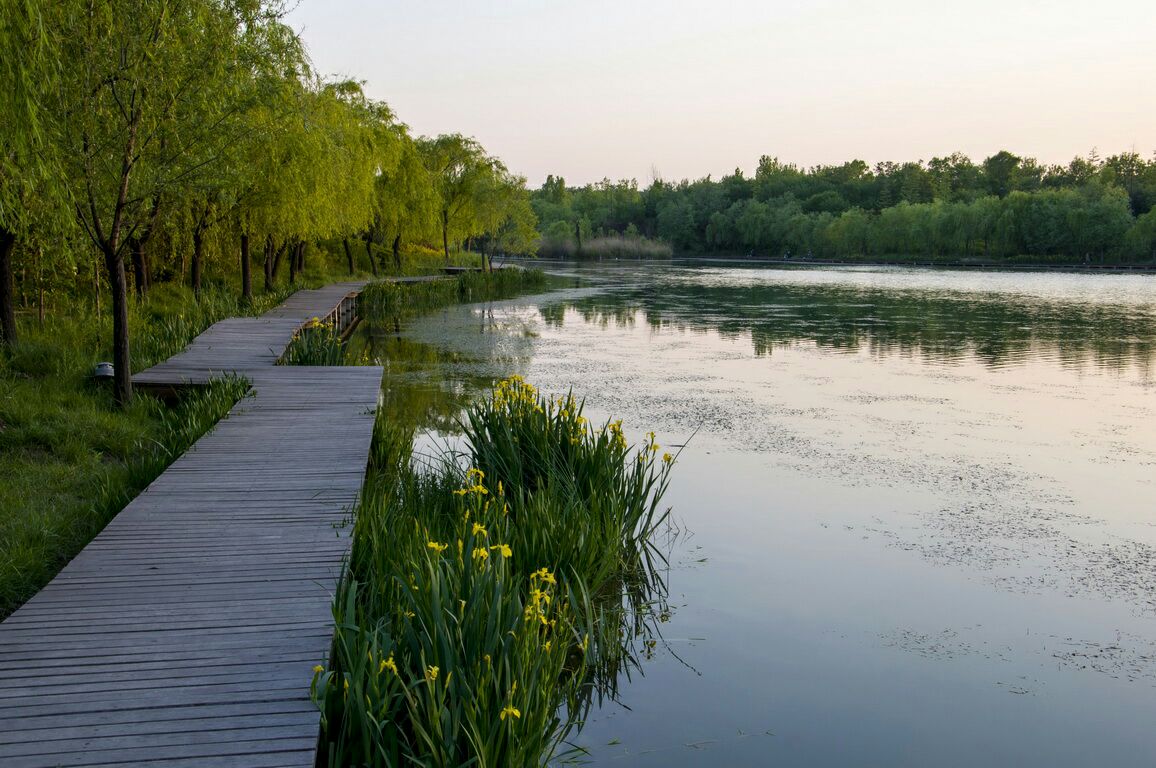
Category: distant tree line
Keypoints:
(1006, 206)
(148, 140)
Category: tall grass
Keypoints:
(606, 247)
(315, 343)
(390, 304)
(482, 605)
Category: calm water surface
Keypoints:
(917, 508)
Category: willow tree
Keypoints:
(503, 215)
(361, 143)
(459, 167)
(30, 190)
(138, 111)
(406, 203)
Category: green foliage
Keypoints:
(481, 611)
(1006, 208)
(390, 303)
(318, 342)
(561, 246)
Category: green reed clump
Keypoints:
(315, 343)
(390, 303)
(469, 626)
(582, 495)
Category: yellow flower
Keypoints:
(667, 458)
(389, 664)
(486, 658)
(318, 669)
(510, 711)
(481, 554)
(546, 645)
(478, 528)
(431, 674)
(436, 546)
(504, 550)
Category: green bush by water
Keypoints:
(315, 343)
(389, 304)
(483, 608)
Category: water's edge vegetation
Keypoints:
(491, 597)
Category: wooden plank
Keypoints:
(186, 632)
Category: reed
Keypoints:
(390, 303)
(317, 342)
(482, 604)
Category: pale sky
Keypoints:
(591, 88)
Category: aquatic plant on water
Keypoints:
(481, 605)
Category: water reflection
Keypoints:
(938, 326)
(924, 501)
(425, 389)
(427, 383)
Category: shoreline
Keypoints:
(1129, 269)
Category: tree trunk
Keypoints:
(140, 266)
(142, 275)
(122, 364)
(7, 310)
(348, 253)
(293, 265)
(246, 270)
(397, 252)
(277, 259)
(40, 287)
(198, 251)
(267, 265)
(300, 257)
(369, 254)
(446, 235)
(96, 283)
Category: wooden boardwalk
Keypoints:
(185, 634)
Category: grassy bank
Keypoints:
(485, 607)
(69, 458)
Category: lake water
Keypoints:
(917, 508)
